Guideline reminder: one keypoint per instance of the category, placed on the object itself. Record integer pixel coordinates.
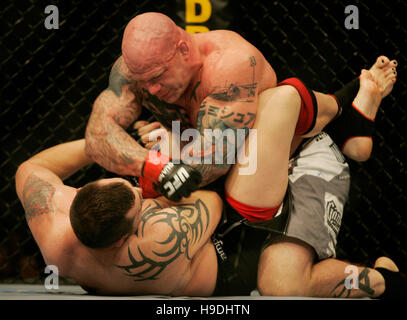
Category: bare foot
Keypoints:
(385, 73)
(367, 102)
(386, 263)
(375, 84)
(369, 96)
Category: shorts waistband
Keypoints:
(252, 213)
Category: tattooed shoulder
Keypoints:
(242, 86)
(117, 80)
(37, 197)
(184, 227)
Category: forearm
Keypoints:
(211, 172)
(63, 159)
(211, 157)
(115, 150)
(107, 142)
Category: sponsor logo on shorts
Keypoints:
(219, 248)
(320, 136)
(334, 216)
(337, 153)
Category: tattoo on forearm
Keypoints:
(186, 224)
(107, 142)
(118, 151)
(37, 197)
(341, 291)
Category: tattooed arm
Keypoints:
(114, 110)
(38, 177)
(230, 109)
(168, 238)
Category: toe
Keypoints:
(389, 83)
(382, 61)
(391, 73)
(394, 63)
(365, 73)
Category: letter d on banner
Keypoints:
(191, 15)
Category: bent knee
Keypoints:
(285, 268)
(282, 95)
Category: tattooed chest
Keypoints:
(166, 112)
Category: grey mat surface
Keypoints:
(74, 292)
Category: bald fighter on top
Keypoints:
(206, 81)
(212, 80)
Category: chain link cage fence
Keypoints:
(50, 78)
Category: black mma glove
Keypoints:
(173, 181)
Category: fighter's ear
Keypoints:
(183, 48)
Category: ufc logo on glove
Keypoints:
(179, 178)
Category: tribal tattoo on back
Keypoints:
(184, 226)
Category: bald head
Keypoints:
(149, 40)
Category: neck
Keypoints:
(196, 54)
(105, 256)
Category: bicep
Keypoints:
(118, 102)
(239, 114)
(108, 108)
(231, 105)
(223, 127)
(36, 189)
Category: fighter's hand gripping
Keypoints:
(174, 181)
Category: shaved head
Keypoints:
(149, 40)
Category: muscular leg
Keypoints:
(287, 268)
(275, 124)
(327, 111)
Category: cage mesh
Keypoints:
(50, 79)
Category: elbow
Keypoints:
(22, 168)
(88, 148)
(22, 171)
(90, 141)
